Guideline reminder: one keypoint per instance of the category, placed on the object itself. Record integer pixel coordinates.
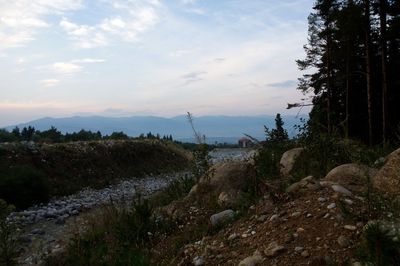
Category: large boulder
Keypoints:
(225, 183)
(222, 217)
(354, 177)
(288, 161)
(387, 180)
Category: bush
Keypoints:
(8, 244)
(380, 245)
(23, 186)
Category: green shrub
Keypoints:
(8, 244)
(380, 245)
(23, 186)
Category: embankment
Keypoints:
(32, 173)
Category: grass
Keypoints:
(121, 235)
(8, 243)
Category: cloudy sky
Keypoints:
(149, 57)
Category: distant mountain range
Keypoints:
(216, 128)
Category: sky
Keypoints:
(63, 58)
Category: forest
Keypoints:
(351, 69)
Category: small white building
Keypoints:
(245, 142)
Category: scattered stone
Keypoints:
(256, 259)
(342, 190)
(343, 241)
(274, 217)
(233, 236)
(295, 214)
(262, 218)
(350, 227)
(198, 261)
(305, 254)
(273, 249)
(74, 212)
(298, 249)
(331, 206)
(222, 217)
(60, 220)
(38, 231)
(321, 199)
(348, 201)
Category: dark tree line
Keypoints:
(53, 135)
(353, 68)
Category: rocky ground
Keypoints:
(308, 230)
(313, 222)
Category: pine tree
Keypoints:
(278, 134)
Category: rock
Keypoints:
(198, 261)
(352, 176)
(343, 241)
(222, 217)
(298, 249)
(229, 198)
(60, 220)
(321, 199)
(256, 259)
(288, 161)
(273, 249)
(340, 189)
(274, 217)
(233, 236)
(305, 254)
(225, 182)
(262, 218)
(295, 187)
(193, 191)
(38, 231)
(295, 214)
(331, 206)
(350, 227)
(387, 180)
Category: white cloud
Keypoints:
(193, 77)
(20, 19)
(134, 17)
(88, 61)
(73, 66)
(197, 11)
(188, 2)
(49, 82)
(66, 68)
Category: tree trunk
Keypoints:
(368, 68)
(382, 15)
(329, 84)
(347, 124)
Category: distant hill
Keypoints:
(216, 128)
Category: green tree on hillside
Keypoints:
(278, 134)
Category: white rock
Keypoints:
(342, 190)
